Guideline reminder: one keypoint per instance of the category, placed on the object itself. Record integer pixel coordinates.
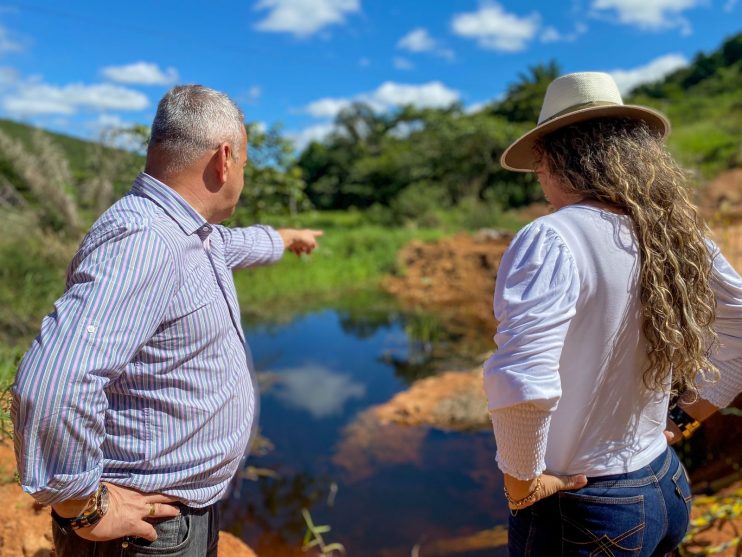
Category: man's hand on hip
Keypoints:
(128, 513)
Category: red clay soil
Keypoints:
(455, 277)
(25, 527)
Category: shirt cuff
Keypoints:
(63, 487)
(721, 393)
(520, 434)
(277, 244)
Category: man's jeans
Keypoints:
(195, 533)
(640, 514)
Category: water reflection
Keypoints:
(316, 389)
(398, 488)
(395, 486)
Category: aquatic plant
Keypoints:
(313, 538)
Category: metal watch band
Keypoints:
(88, 517)
(686, 423)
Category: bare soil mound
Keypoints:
(456, 277)
(723, 194)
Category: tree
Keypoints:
(522, 102)
(273, 181)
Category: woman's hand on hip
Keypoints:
(524, 493)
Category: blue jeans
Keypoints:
(640, 514)
(195, 533)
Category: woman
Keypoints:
(605, 308)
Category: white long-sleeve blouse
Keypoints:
(565, 386)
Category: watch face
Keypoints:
(103, 505)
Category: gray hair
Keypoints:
(192, 119)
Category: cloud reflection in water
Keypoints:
(316, 389)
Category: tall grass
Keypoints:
(43, 172)
(32, 266)
(348, 260)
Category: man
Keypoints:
(134, 405)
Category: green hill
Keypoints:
(704, 103)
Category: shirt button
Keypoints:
(91, 328)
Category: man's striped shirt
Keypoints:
(139, 375)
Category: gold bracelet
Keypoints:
(527, 499)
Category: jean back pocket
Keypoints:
(599, 525)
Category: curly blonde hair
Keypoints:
(622, 163)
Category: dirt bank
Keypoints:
(25, 527)
(455, 277)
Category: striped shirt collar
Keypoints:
(189, 220)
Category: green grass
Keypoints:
(347, 261)
(352, 257)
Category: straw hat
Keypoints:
(575, 98)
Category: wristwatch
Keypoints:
(686, 423)
(95, 509)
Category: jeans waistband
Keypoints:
(652, 472)
(185, 509)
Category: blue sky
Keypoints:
(81, 66)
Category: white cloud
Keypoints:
(433, 94)
(476, 107)
(8, 43)
(260, 126)
(654, 70)
(41, 98)
(494, 28)
(253, 94)
(317, 132)
(317, 390)
(327, 107)
(417, 40)
(388, 95)
(109, 121)
(650, 14)
(141, 73)
(402, 63)
(552, 35)
(304, 17)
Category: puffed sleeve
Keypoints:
(535, 299)
(727, 285)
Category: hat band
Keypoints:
(576, 107)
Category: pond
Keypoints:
(382, 496)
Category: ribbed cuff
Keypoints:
(721, 393)
(520, 433)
